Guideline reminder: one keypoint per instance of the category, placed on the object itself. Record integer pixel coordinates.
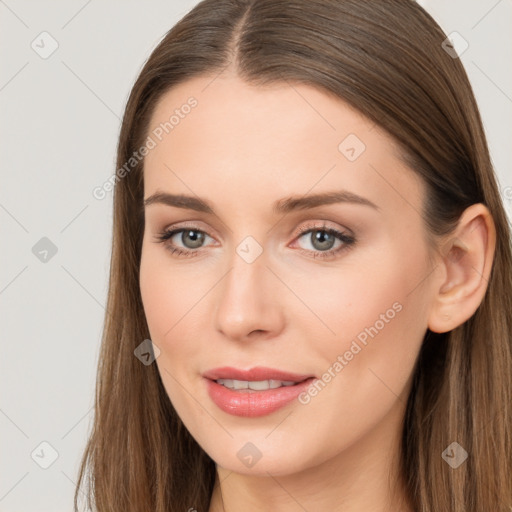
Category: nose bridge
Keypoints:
(245, 298)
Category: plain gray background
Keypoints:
(60, 117)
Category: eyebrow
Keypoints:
(282, 206)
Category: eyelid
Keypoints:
(305, 227)
(325, 225)
(195, 225)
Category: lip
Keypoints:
(250, 403)
(254, 374)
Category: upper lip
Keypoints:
(258, 373)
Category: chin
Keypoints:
(247, 459)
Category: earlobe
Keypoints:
(465, 263)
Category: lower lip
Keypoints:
(251, 404)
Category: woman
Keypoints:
(310, 289)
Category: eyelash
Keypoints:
(348, 241)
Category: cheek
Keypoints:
(174, 298)
(378, 315)
(156, 299)
(374, 311)
(165, 300)
(162, 293)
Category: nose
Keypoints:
(248, 301)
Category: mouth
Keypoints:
(257, 374)
(253, 386)
(256, 392)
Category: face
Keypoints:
(256, 281)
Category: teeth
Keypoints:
(259, 385)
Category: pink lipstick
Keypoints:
(255, 392)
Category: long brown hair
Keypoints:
(386, 60)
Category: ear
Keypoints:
(465, 264)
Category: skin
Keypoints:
(242, 148)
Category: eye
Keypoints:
(190, 237)
(322, 241)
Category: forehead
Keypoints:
(213, 130)
(280, 115)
